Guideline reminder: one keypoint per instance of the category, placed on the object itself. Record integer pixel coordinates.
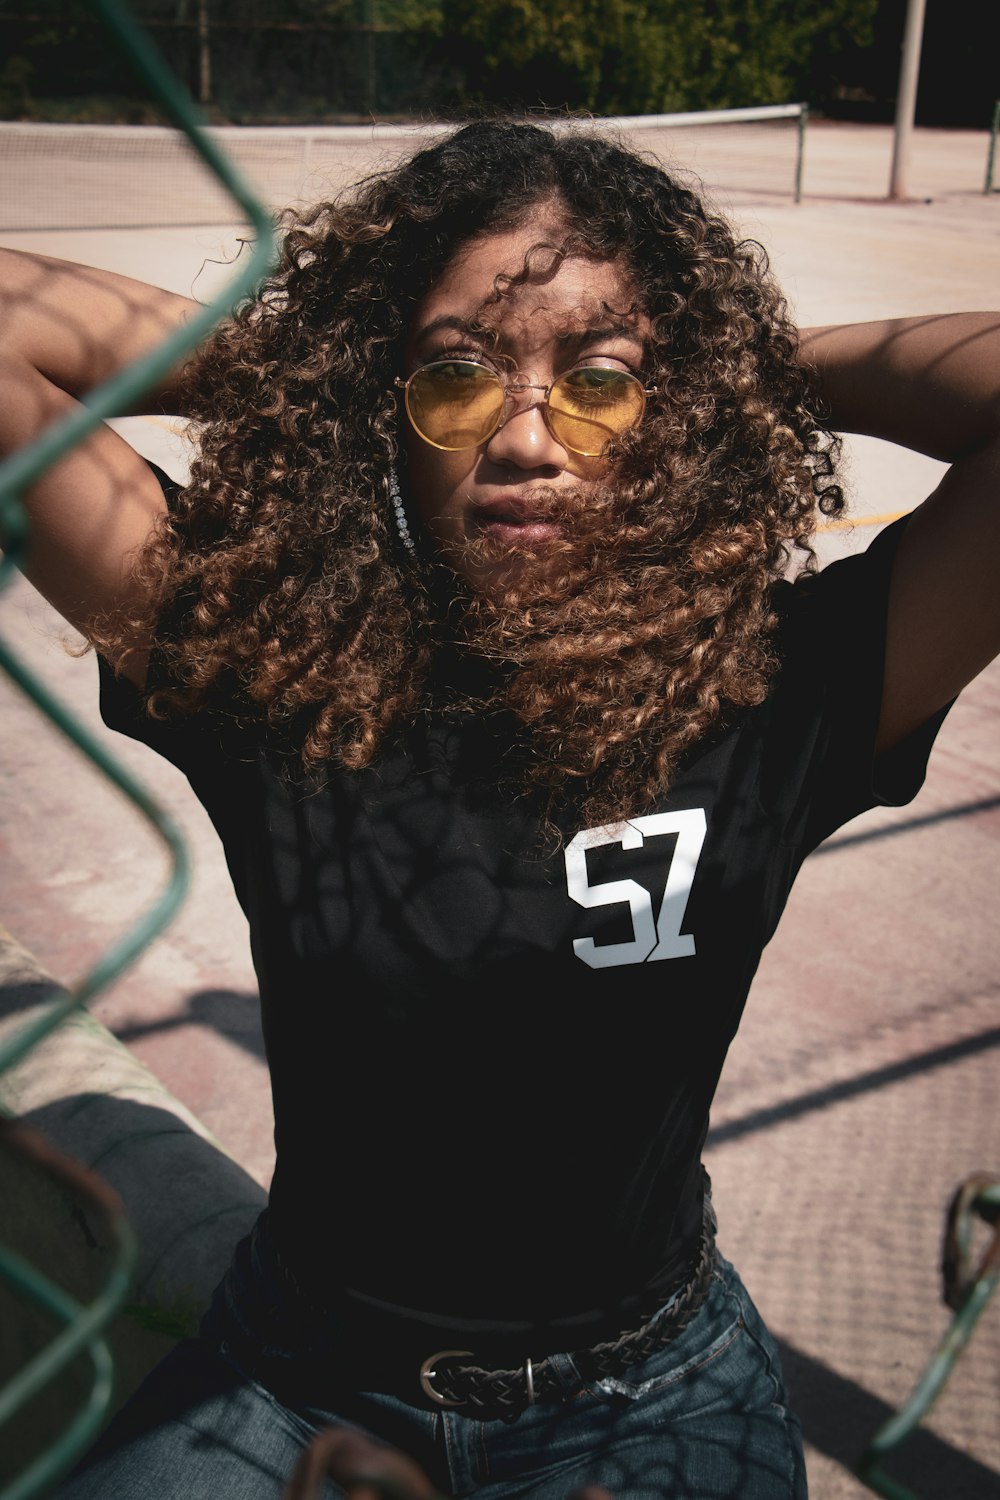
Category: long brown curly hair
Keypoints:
(282, 590)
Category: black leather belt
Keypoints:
(450, 1381)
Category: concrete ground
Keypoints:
(863, 1086)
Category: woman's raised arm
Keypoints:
(931, 384)
(63, 330)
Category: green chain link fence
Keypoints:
(969, 1283)
(80, 1326)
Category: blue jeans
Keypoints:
(705, 1418)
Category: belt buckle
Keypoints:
(428, 1371)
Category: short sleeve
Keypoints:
(821, 769)
(190, 742)
(123, 708)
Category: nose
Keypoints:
(523, 438)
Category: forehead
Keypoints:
(518, 285)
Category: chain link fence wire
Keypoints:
(80, 1326)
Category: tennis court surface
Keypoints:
(863, 1085)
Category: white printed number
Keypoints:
(662, 938)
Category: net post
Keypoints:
(305, 166)
(801, 152)
(991, 153)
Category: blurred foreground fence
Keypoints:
(79, 1327)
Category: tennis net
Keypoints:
(120, 176)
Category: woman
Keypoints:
(471, 634)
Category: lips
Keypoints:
(514, 518)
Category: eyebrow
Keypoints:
(603, 331)
(456, 324)
(453, 323)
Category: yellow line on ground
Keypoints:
(851, 521)
(176, 425)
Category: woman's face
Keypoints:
(484, 506)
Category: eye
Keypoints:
(461, 381)
(458, 367)
(461, 354)
(617, 363)
(599, 386)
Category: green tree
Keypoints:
(633, 56)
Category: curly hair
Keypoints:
(282, 590)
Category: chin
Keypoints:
(492, 568)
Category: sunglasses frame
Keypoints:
(513, 388)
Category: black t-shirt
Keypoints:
(492, 1060)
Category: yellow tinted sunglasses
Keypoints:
(459, 403)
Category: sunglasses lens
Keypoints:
(454, 403)
(591, 406)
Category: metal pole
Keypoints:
(204, 56)
(800, 155)
(991, 154)
(368, 12)
(906, 96)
